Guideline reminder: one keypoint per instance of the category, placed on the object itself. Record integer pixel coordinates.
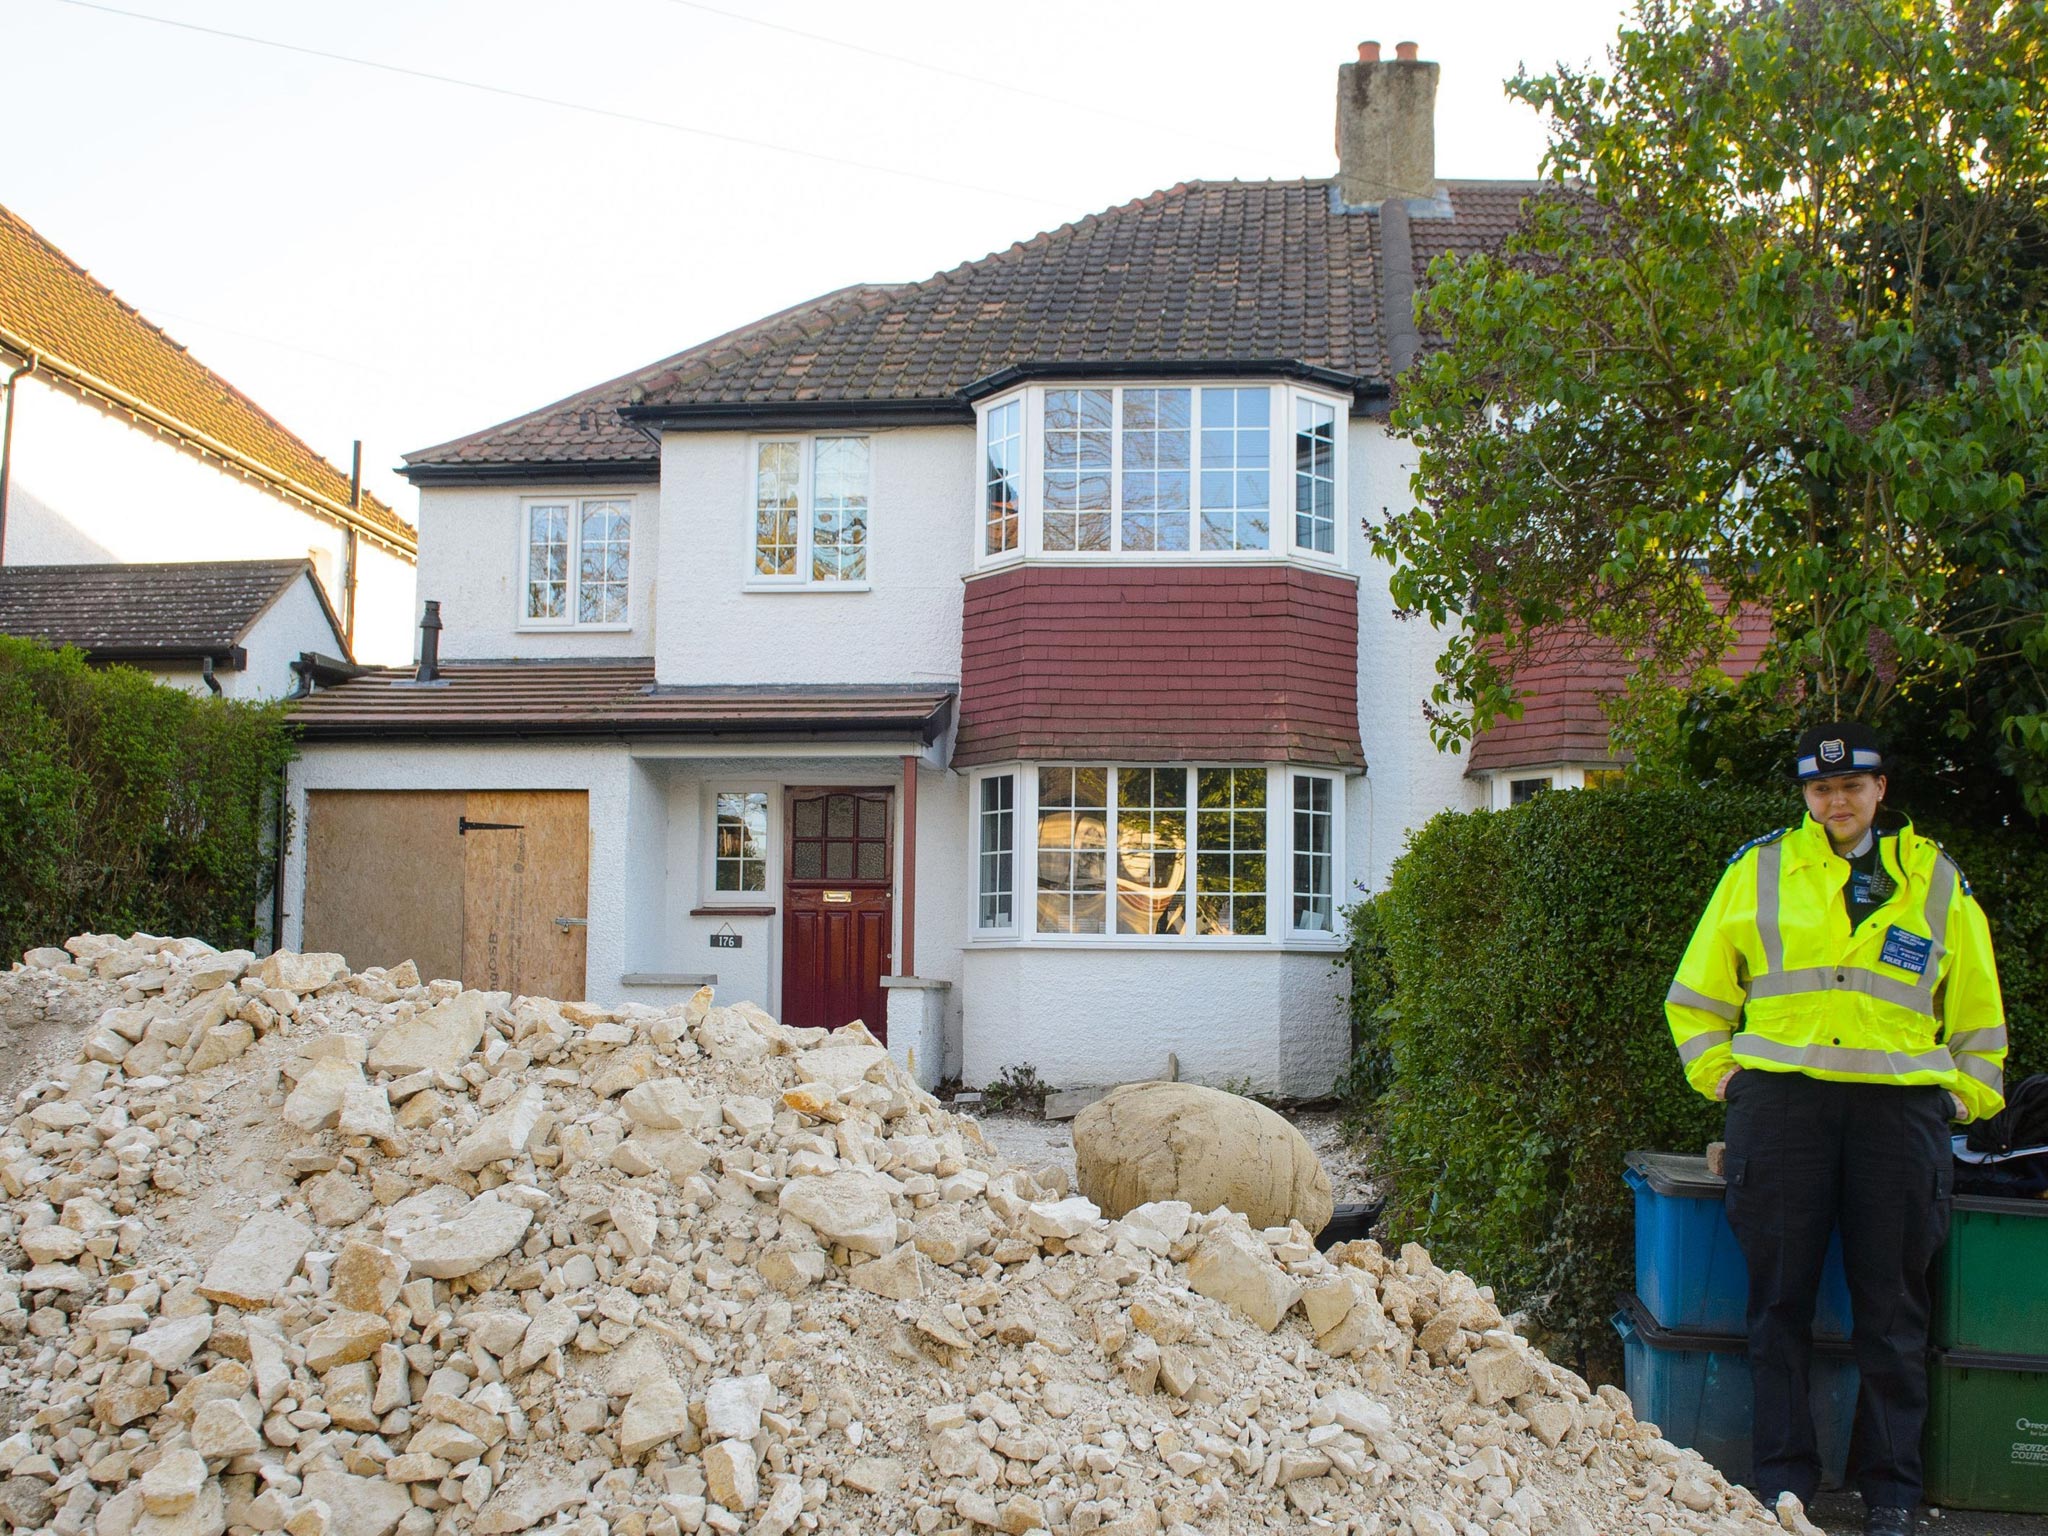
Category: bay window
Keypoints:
(1173, 854)
(1159, 470)
(810, 512)
(578, 560)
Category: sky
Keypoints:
(373, 253)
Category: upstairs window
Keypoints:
(578, 561)
(1174, 471)
(1003, 480)
(1315, 476)
(810, 523)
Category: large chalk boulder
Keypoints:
(1181, 1141)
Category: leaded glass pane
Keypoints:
(1230, 858)
(839, 861)
(1314, 873)
(839, 509)
(1315, 476)
(1073, 826)
(1151, 842)
(547, 562)
(1156, 479)
(874, 818)
(777, 477)
(839, 816)
(998, 852)
(604, 537)
(870, 862)
(1236, 488)
(1003, 478)
(1079, 431)
(740, 858)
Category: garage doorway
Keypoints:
(485, 886)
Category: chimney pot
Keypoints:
(1405, 52)
(1368, 53)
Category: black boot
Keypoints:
(1887, 1520)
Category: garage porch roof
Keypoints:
(484, 700)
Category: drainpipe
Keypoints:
(7, 446)
(206, 675)
(349, 551)
(908, 879)
(277, 837)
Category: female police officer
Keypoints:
(1839, 993)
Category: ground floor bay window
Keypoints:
(1157, 854)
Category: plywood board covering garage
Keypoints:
(486, 886)
(384, 877)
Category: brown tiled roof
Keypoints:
(585, 429)
(603, 698)
(139, 612)
(1483, 215)
(1202, 273)
(77, 331)
(1564, 690)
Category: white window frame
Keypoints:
(574, 502)
(1281, 545)
(1018, 852)
(802, 580)
(1333, 934)
(710, 897)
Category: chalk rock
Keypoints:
(315, 1103)
(1180, 1141)
(1498, 1372)
(655, 1414)
(1233, 1267)
(847, 1207)
(344, 1338)
(258, 1262)
(840, 1066)
(366, 1111)
(485, 1229)
(666, 1104)
(366, 1278)
(289, 971)
(438, 1040)
(503, 1134)
(172, 1485)
(733, 1407)
(173, 1341)
(361, 1506)
(528, 1499)
(898, 1275)
(220, 1429)
(730, 1473)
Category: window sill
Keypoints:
(732, 911)
(807, 588)
(1214, 946)
(1136, 561)
(531, 628)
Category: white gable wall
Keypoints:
(472, 561)
(86, 488)
(710, 628)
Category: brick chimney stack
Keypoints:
(1386, 126)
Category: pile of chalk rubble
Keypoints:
(291, 1248)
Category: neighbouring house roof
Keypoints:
(167, 612)
(584, 434)
(77, 332)
(1564, 691)
(610, 698)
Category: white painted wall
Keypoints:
(472, 559)
(672, 831)
(602, 770)
(87, 488)
(294, 623)
(905, 629)
(1407, 780)
(1101, 1015)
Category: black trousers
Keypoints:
(1804, 1157)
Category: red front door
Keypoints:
(836, 908)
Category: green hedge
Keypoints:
(1524, 1051)
(128, 805)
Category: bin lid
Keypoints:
(2002, 1205)
(1988, 1360)
(1658, 1337)
(1674, 1173)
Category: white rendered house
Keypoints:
(119, 447)
(995, 657)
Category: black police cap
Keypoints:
(1837, 748)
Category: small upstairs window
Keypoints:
(1315, 476)
(810, 523)
(1003, 479)
(578, 561)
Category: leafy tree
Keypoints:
(1770, 335)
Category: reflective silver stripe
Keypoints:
(1843, 978)
(1690, 1051)
(1770, 859)
(1808, 767)
(1946, 878)
(1840, 1058)
(1983, 1071)
(1863, 757)
(1685, 997)
(1993, 1039)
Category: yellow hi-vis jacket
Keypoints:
(1775, 980)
